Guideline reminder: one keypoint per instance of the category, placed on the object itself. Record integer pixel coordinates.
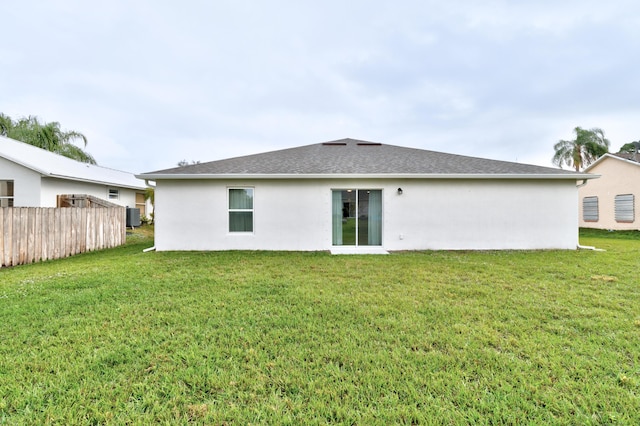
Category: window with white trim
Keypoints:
(114, 194)
(241, 210)
(590, 209)
(356, 217)
(6, 193)
(624, 208)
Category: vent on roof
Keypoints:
(369, 144)
(334, 143)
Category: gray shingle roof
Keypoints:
(351, 156)
(631, 156)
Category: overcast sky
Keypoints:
(151, 83)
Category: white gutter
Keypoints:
(171, 176)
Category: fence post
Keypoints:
(2, 235)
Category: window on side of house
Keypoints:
(6, 193)
(624, 208)
(590, 209)
(114, 194)
(241, 210)
(141, 203)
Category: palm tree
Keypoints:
(47, 136)
(587, 147)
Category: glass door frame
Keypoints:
(341, 213)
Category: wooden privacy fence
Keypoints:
(33, 234)
(82, 200)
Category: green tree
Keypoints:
(630, 147)
(5, 124)
(581, 151)
(47, 136)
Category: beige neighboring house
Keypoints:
(34, 177)
(612, 201)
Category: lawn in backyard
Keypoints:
(494, 337)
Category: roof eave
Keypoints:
(261, 176)
(612, 156)
(46, 173)
(98, 182)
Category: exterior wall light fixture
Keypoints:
(399, 191)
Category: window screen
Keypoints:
(590, 209)
(624, 208)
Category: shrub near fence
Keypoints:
(33, 234)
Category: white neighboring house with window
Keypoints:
(34, 177)
(613, 200)
(353, 196)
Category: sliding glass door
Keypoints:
(357, 217)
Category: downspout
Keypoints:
(589, 248)
(153, 248)
(584, 182)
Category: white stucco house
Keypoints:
(34, 177)
(353, 196)
(611, 202)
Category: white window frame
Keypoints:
(356, 191)
(251, 210)
(113, 194)
(9, 198)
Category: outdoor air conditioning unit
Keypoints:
(133, 217)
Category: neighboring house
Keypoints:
(612, 201)
(352, 196)
(33, 177)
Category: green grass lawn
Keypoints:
(125, 337)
